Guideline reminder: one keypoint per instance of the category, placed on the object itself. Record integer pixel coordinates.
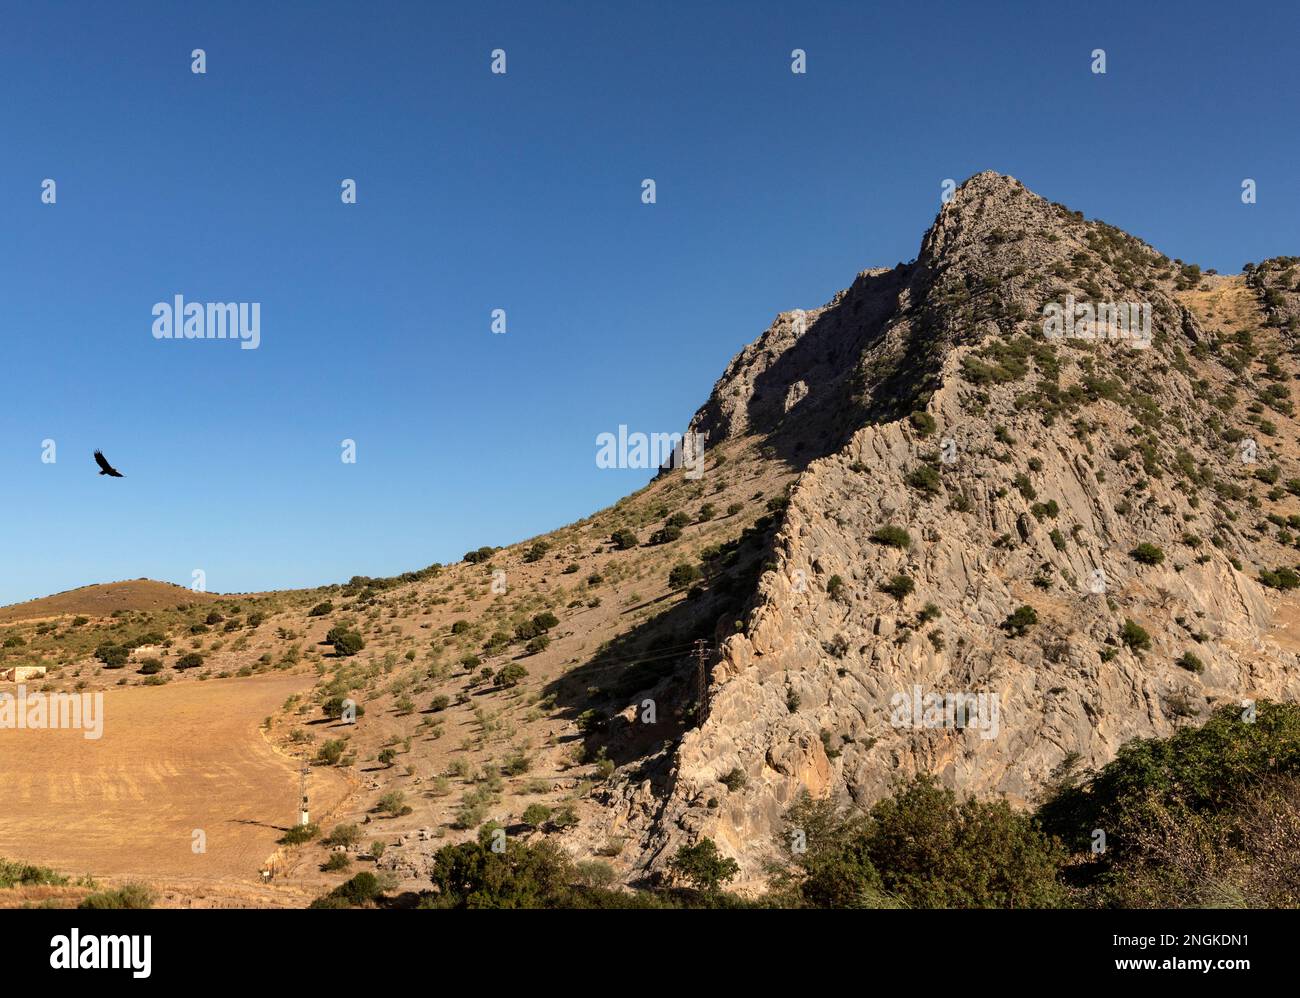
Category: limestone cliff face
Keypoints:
(1038, 468)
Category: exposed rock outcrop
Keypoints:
(1017, 471)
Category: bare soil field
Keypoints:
(172, 760)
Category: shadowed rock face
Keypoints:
(795, 382)
(1039, 465)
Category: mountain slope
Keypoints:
(1049, 464)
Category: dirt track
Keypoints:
(171, 760)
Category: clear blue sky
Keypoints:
(521, 192)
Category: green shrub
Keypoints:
(127, 896)
(1191, 662)
(331, 752)
(511, 674)
(14, 874)
(1282, 578)
(1045, 509)
(535, 815)
(564, 817)
(892, 536)
(682, 575)
(394, 803)
(899, 586)
(703, 866)
(472, 875)
(300, 834)
(1147, 554)
(362, 888)
(113, 656)
(526, 630)
(921, 848)
(1019, 622)
(537, 644)
(1135, 636)
(1196, 771)
(336, 705)
(924, 478)
(734, 779)
(346, 643)
(666, 534)
(329, 901)
(923, 423)
(343, 835)
(516, 764)
(536, 551)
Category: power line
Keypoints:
(701, 676)
(610, 663)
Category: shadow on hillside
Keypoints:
(635, 698)
(823, 364)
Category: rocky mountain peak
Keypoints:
(1089, 528)
(994, 258)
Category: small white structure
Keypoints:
(22, 673)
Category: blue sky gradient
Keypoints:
(519, 192)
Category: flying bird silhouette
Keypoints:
(104, 467)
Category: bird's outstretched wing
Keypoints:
(105, 467)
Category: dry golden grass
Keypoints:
(102, 600)
(172, 760)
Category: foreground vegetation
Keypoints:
(1209, 817)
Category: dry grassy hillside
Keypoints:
(470, 743)
(104, 600)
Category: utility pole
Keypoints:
(701, 676)
(303, 816)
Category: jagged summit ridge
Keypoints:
(875, 349)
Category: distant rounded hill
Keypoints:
(102, 599)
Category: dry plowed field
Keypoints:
(172, 759)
